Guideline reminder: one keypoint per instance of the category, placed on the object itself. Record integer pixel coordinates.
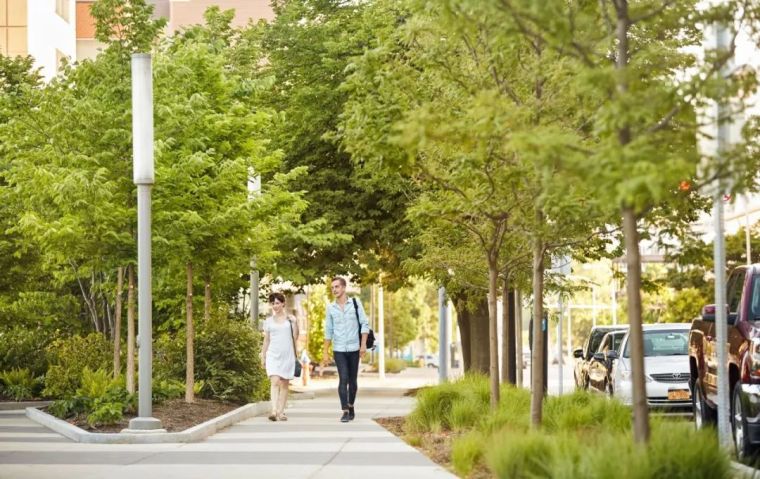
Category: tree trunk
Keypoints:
(633, 284)
(207, 300)
(632, 253)
(508, 356)
(117, 323)
(131, 329)
(463, 320)
(189, 338)
(493, 335)
(537, 348)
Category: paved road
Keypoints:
(312, 444)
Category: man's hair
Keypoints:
(339, 279)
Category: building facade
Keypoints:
(53, 30)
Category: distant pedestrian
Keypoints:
(278, 354)
(347, 327)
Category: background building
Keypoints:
(51, 30)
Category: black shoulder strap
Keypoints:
(356, 308)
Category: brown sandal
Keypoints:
(273, 417)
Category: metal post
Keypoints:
(380, 333)
(559, 344)
(443, 336)
(518, 339)
(254, 295)
(614, 300)
(721, 324)
(747, 237)
(593, 306)
(142, 128)
(569, 330)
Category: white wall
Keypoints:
(48, 32)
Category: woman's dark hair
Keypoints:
(278, 296)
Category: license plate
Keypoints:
(679, 395)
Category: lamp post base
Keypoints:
(142, 425)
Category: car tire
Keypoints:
(739, 426)
(704, 415)
(608, 389)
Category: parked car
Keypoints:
(666, 368)
(584, 355)
(600, 367)
(743, 364)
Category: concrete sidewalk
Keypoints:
(312, 444)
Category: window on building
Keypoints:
(13, 33)
(62, 9)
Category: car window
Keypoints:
(662, 343)
(605, 345)
(755, 305)
(734, 291)
(616, 340)
(596, 339)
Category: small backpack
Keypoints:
(371, 335)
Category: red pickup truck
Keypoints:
(743, 298)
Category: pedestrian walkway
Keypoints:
(312, 444)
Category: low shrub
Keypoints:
(19, 384)
(68, 357)
(227, 361)
(582, 410)
(461, 405)
(467, 451)
(165, 389)
(103, 399)
(394, 365)
(25, 348)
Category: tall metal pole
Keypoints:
(560, 358)
(380, 333)
(747, 237)
(254, 295)
(593, 305)
(443, 337)
(614, 299)
(721, 324)
(518, 338)
(142, 128)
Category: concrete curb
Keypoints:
(744, 472)
(17, 406)
(194, 434)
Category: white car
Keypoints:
(666, 367)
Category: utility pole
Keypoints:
(721, 323)
(747, 237)
(380, 333)
(144, 178)
(443, 336)
(560, 357)
(254, 295)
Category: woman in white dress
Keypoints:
(278, 354)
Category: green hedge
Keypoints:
(68, 358)
(227, 364)
(25, 348)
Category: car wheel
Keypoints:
(704, 415)
(609, 389)
(739, 425)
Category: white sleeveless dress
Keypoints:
(281, 357)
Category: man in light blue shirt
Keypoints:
(347, 327)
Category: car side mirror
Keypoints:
(612, 355)
(599, 356)
(578, 353)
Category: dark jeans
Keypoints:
(348, 368)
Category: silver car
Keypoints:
(666, 367)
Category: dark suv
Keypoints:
(585, 355)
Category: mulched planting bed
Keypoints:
(436, 446)
(176, 415)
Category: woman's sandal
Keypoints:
(273, 417)
(282, 417)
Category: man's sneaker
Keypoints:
(345, 417)
(351, 414)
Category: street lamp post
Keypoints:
(142, 134)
